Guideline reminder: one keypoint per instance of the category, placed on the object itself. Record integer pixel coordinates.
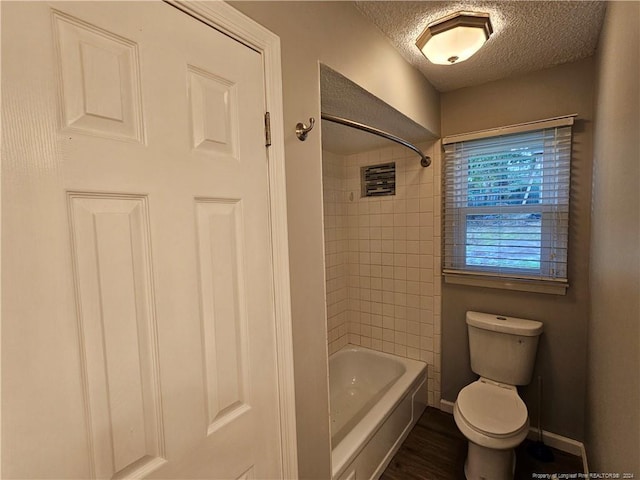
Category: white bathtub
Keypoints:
(376, 399)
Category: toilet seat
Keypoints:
(492, 409)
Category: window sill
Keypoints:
(519, 284)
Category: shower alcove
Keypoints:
(382, 252)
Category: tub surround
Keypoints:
(383, 258)
(335, 202)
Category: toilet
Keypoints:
(489, 411)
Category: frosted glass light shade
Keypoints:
(455, 38)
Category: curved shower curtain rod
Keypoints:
(425, 161)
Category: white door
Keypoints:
(138, 330)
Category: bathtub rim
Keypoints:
(415, 373)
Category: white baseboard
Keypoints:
(559, 442)
(554, 440)
(446, 406)
(585, 465)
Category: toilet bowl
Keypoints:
(489, 412)
(495, 420)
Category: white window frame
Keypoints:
(546, 244)
(511, 279)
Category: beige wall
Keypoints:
(391, 246)
(613, 401)
(333, 33)
(561, 359)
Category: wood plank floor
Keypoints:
(435, 450)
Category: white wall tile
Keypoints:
(383, 258)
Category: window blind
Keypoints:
(506, 202)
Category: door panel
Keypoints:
(114, 290)
(99, 79)
(138, 316)
(224, 319)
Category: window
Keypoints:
(507, 206)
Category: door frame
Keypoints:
(238, 26)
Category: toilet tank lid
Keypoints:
(501, 323)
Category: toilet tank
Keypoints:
(502, 348)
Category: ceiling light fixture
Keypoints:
(455, 38)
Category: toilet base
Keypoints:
(489, 464)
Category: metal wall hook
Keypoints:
(302, 130)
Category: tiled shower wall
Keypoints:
(383, 257)
(336, 248)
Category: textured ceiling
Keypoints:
(343, 98)
(528, 36)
